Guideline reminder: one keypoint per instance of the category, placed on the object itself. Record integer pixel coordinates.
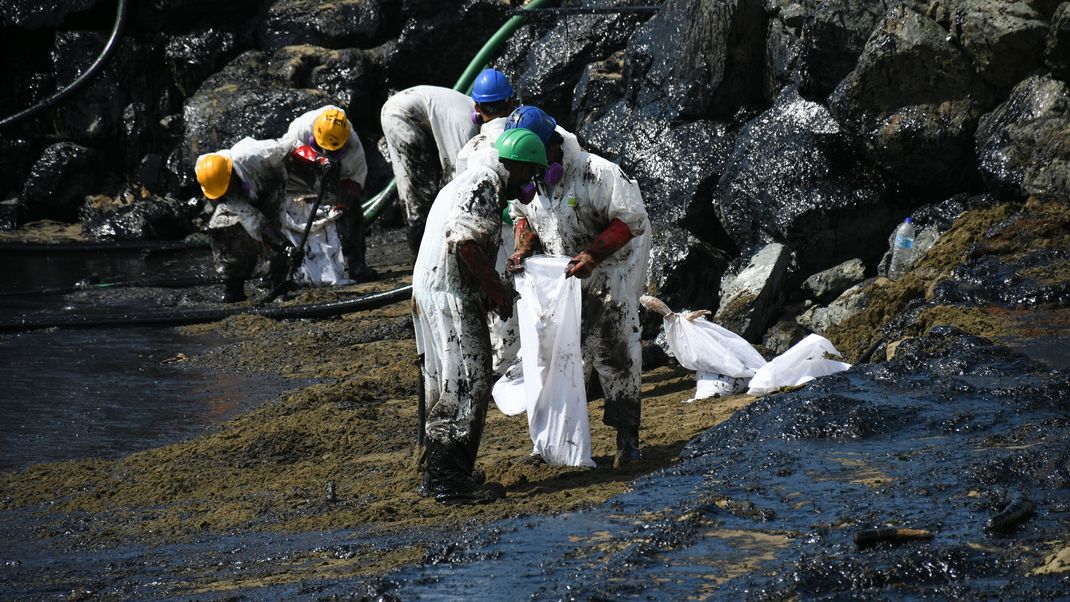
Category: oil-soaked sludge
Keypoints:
(947, 435)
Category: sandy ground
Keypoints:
(269, 469)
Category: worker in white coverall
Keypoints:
(454, 284)
(323, 147)
(425, 128)
(505, 334)
(245, 185)
(594, 213)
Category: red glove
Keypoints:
(616, 235)
(307, 155)
(501, 300)
(526, 241)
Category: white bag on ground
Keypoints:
(723, 360)
(804, 362)
(548, 313)
(509, 393)
(324, 263)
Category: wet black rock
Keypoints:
(793, 177)
(12, 214)
(1004, 39)
(914, 99)
(341, 24)
(39, 14)
(138, 216)
(1008, 282)
(1057, 46)
(194, 56)
(16, 155)
(685, 272)
(97, 114)
(599, 87)
(566, 46)
(438, 39)
(60, 180)
(833, 39)
(783, 51)
(699, 59)
(1022, 146)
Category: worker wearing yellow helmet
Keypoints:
(244, 183)
(325, 137)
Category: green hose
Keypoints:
(375, 205)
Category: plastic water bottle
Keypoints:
(902, 250)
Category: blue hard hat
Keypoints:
(491, 85)
(532, 118)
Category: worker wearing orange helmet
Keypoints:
(323, 146)
(244, 183)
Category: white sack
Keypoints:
(509, 393)
(324, 263)
(704, 346)
(804, 362)
(548, 313)
(711, 384)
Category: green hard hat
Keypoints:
(521, 144)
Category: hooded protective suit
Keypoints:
(425, 127)
(593, 192)
(449, 313)
(244, 216)
(336, 248)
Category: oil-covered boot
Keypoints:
(627, 446)
(233, 291)
(450, 479)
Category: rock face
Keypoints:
(338, 24)
(139, 216)
(36, 14)
(828, 284)
(60, 180)
(818, 319)
(1057, 46)
(834, 37)
(793, 177)
(1023, 147)
(914, 100)
(750, 299)
(699, 59)
(1004, 39)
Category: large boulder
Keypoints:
(699, 59)
(828, 284)
(914, 99)
(39, 14)
(194, 56)
(833, 39)
(60, 180)
(438, 39)
(17, 155)
(751, 299)
(1023, 147)
(338, 24)
(1004, 39)
(1057, 47)
(545, 63)
(794, 178)
(783, 50)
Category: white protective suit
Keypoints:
(449, 305)
(425, 127)
(324, 263)
(238, 223)
(352, 163)
(504, 335)
(593, 192)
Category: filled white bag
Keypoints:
(509, 393)
(805, 361)
(723, 360)
(324, 263)
(548, 313)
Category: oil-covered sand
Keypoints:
(267, 471)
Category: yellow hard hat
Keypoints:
(213, 174)
(331, 129)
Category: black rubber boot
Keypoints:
(233, 291)
(627, 446)
(450, 480)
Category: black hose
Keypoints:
(81, 80)
(104, 246)
(179, 317)
(92, 286)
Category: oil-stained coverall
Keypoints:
(566, 219)
(344, 188)
(504, 334)
(244, 226)
(449, 315)
(425, 127)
